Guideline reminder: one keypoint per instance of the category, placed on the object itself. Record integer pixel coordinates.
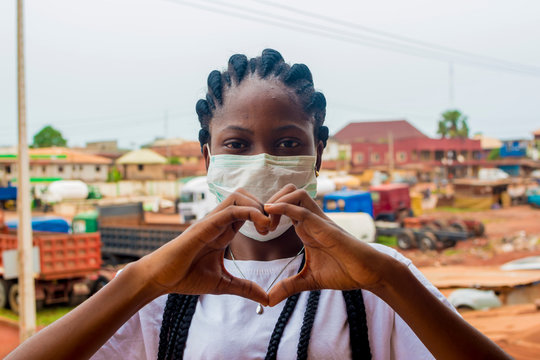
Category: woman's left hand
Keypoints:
(334, 258)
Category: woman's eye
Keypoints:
(288, 144)
(235, 145)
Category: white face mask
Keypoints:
(261, 175)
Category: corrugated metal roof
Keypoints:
(377, 131)
(141, 156)
(58, 155)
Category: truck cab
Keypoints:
(195, 200)
(352, 210)
(391, 202)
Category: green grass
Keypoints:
(43, 317)
(386, 240)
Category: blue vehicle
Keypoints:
(47, 223)
(352, 201)
(533, 198)
(8, 195)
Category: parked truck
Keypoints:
(66, 264)
(409, 232)
(125, 235)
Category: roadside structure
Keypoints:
(55, 163)
(185, 158)
(142, 164)
(397, 144)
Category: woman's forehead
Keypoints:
(256, 101)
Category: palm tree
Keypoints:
(454, 124)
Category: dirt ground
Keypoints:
(511, 233)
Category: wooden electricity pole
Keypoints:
(27, 302)
(390, 155)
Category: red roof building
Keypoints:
(372, 141)
(378, 131)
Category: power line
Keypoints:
(397, 37)
(355, 38)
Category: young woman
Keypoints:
(266, 274)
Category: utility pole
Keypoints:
(390, 155)
(27, 299)
(166, 128)
(451, 84)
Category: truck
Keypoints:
(195, 200)
(125, 235)
(64, 268)
(409, 232)
(346, 209)
(391, 202)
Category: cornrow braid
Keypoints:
(177, 317)
(307, 325)
(290, 304)
(270, 64)
(356, 315)
(179, 311)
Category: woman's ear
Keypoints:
(206, 154)
(320, 149)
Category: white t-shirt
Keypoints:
(228, 327)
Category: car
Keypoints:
(474, 299)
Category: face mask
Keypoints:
(261, 175)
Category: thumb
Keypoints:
(245, 288)
(286, 288)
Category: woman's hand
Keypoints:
(334, 258)
(193, 262)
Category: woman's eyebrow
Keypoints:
(287, 127)
(238, 128)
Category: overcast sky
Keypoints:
(117, 69)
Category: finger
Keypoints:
(287, 287)
(216, 224)
(245, 288)
(287, 189)
(301, 197)
(240, 197)
(295, 212)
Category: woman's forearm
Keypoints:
(443, 332)
(81, 332)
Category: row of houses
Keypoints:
(359, 146)
(98, 163)
(398, 145)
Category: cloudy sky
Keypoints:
(132, 70)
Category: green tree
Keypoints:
(453, 124)
(48, 136)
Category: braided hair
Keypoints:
(179, 309)
(270, 64)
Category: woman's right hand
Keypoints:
(192, 263)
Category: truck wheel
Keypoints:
(405, 239)
(100, 282)
(458, 226)
(3, 293)
(438, 224)
(428, 241)
(13, 298)
(479, 229)
(76, 300)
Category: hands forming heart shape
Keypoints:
(193, 262)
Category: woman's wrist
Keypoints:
(391, 272)
(144, 286)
